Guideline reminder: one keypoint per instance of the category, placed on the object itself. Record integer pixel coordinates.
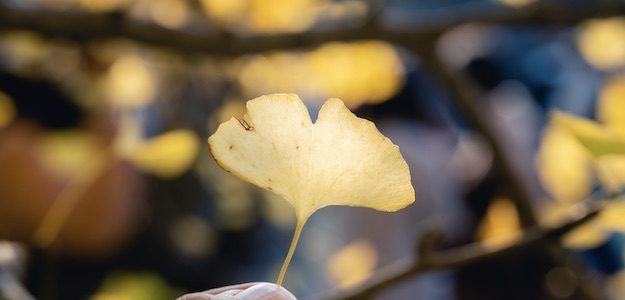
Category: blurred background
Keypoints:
(108, 191)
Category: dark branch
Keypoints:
(466, 97)
(462, 256)
(83, 26)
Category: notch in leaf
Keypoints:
(339, 160)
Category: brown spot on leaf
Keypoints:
(231, 146)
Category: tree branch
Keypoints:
(462, 256)
(83, 26)
(466, 97)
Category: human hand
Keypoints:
(246, 291)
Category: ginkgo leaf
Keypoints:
(610, 171)
(500, 226)
(599, 140)
(67, 153)
(339, 160)
(352, 264)
(611, 105)
(585, 237)
(590, 234)
(600, 42)
(130, 83)
(167, 155)
(563, 165)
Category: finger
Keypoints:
(242, 286)
(265, 291)
(197, 296)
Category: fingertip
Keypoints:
(266, 291)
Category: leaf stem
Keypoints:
(287, 260)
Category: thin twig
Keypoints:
(466, 98)
(457, 257)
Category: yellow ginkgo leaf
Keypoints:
(601, 44)
(500, 226)
(352, 264)
(585, 237)
(136, 286)
(516, 3)
(167, 155)
(599, 140)
(339, 160)
(610, 170)
(130, 83)
(611, 105)
(68, 153)
(563, 165)
(611, 216)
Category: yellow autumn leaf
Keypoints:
(363, 72)
(100, 6)
(339, 160)
(588, 235)
(129, 83)
(7, 110)
(275, 16)
(66, 153)
(352, 264)
(516, 3)
(611, 216)
(585, 237)
(563, 165)
(598, 139)
(134, 286)
(225, 11)
(500, 225)
(171, 14)
(601, 42)
(611, 105)
(167, 155)
(610, 170)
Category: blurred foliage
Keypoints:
(600, 42)
(167, 155)
(265, 16)
(611, 106)
(598, 140)
(129, 83)
(575, 148)
(563, 165)
(352, 264)
(358, 73)
(135, 286)
(160, 101)
(500, 226)
(67, 153)
(516, 3)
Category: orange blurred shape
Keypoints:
(501, 224)
(170, 13)
(352, 264)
